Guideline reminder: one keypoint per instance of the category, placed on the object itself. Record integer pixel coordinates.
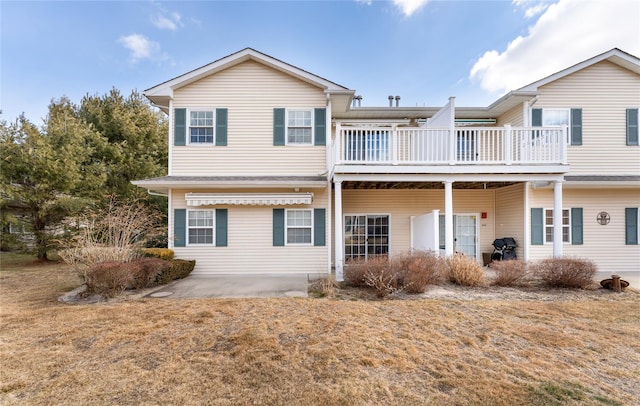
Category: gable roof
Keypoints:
(614, 55)
(162, 93)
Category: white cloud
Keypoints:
(408, 7)
(568, 32)
(170, 22)
(140, 47)
(532, 7)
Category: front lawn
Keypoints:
(579, 349)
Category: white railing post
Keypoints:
(508, 145)
(338, 149)
(564, 141)
(393, 134)
(452, 146)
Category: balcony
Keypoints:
(510, 149)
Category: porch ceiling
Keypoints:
(363, 185)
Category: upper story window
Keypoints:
(299, 127)
(555, 117)
(571, 118)
(201, 127)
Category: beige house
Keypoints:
(273, 169)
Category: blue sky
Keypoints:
(424, 51)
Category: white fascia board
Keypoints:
(447, 177)
(615, 55)
(231, 184)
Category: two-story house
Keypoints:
(273, 169)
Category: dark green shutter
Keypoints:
(577, 228)
(319, 221)
(179, 127)
(536, 117)
(278, 227)
(278, 126)
(632, 127)
(537, 226)
(179, 227)
(221, 127)
(221, 227)
(320, 126)
(631, 226)
(576, 126)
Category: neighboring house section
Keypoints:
(273, 169)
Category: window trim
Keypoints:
(311, 126)
(545, 225)
(287, 227)
(188, 243)
(188, 126)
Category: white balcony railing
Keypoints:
(436, 146)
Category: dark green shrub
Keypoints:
(509, 273)
(178, 269)
(565, 272)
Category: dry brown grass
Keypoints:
(312, 351)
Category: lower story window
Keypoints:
(548, 225)
(200, 227)
(299, 226)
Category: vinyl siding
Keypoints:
(402, 204)
(250, 247)
(605, 245)
(604, 91)
(512, 117)
(250, 91)
(510, 215)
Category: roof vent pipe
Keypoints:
(359, 98)
(390, 101)
(397, 101)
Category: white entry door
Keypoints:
(465, 234)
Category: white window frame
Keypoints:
(287, 227)
(546, 226)
(549, 109)
(287, 126)
(213, 126)
(212, 227)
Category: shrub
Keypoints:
(464, 270)
(162, 253)
(82, 258)
(418, 270)
(354, 272)
(565, 272)
(379, 275)
(178, 269)
(509, 273)
(145, 271)
(108, 278)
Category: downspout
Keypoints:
(328, 152)
(170, 138)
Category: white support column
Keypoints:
(339, 227)
(557, 219)
(448, 218)
(527, 221)
(328, 225)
